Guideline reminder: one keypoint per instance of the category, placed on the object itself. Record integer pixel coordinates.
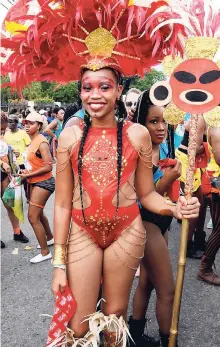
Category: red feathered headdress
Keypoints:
(66, 35)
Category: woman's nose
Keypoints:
(95, 93)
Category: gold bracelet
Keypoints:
(59, 257)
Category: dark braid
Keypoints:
(121, 114)
(80, 157)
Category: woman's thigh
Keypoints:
(121, 260)
(157, 260)
(39, 196)
(84, 269)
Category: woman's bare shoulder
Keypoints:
(139, 136)
(69, 136)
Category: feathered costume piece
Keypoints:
(65, 35)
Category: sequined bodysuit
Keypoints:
(99, 180)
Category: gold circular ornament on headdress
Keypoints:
(173, 115)
(212, 118)
(201, 47)
(100, 42)
(169, 64)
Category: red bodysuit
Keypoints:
(99, 180)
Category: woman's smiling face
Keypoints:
(99, 92)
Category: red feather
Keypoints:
(47, 51)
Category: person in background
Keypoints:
(156, 270)
(206, 272)
(7, 163)
(55, 127)
(18, 139)
(38, 173)
(130, 101)
(49, 115)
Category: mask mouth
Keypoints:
(196, 97)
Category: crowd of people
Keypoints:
(30, 147)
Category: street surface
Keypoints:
(26, 294)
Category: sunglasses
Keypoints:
(131, 103)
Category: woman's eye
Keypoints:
(86, 88)
(154, 122)
(105, 87)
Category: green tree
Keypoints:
(6, 93)
(148, 80)
(65, 94)
(34, 91)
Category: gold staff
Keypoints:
(184, 231)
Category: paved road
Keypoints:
(26, 294)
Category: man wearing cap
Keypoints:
(17, 138)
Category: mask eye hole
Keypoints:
(185, 77)
(160, 93)
(210, 77)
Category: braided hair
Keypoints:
(86, 128)
(141, 113)
(120, 114)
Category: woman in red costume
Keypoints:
(103, 164)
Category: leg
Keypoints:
(137, 321)
(39, 197)
(45, 223)
(158, 264)
(192, 251)
(84, 270)
(14, 220)
(206, 273)
(142, 293)
(121, 260)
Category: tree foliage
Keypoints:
(6, 93)
(63, 93)
(148, 80)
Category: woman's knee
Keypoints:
(33, 216)
(166, 294)
(80, 328)
(111, 308)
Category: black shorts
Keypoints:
(47, 184)
(163, 222)
(3, 176)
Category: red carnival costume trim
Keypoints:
(64, 35)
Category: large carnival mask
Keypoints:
(194, 87)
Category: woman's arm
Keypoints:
(50, 127)
(64, 188)
(146, 193)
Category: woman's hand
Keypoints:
(172, 173)
(59, 281)
(186, 209)
(6, 167)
